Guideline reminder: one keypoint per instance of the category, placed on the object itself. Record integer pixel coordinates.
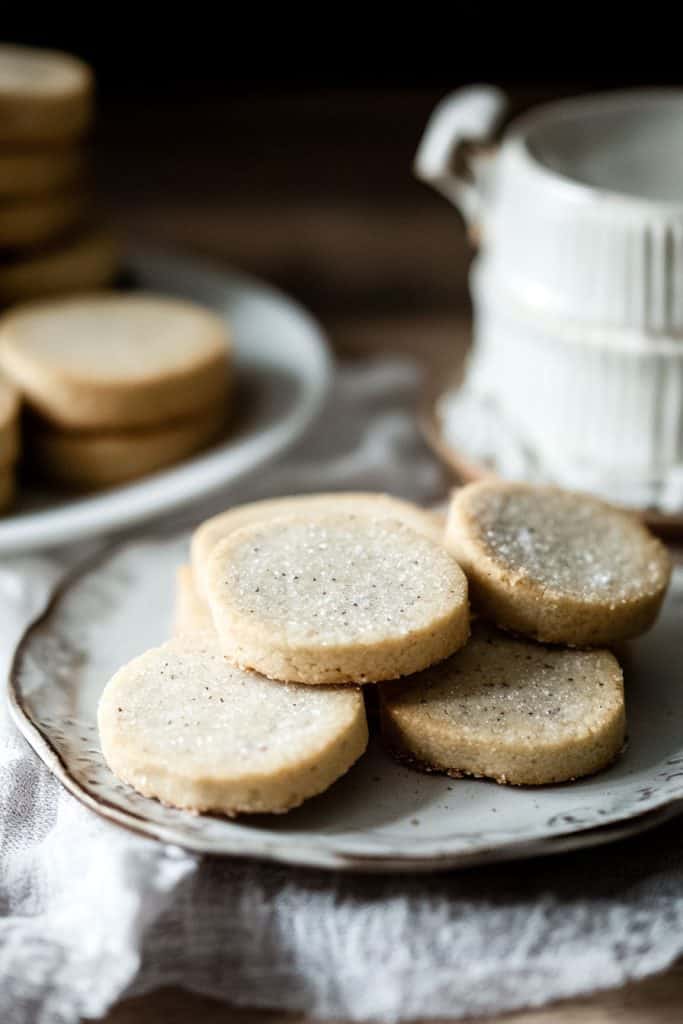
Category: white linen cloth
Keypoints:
(90, 913)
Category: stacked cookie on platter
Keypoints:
(536, 696)
(116, 385)
(46, 108)
(9, 441)
(289, 606)
(321, 575)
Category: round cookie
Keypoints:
(39, 219)
(554, 565)
(181, 724)
(7, 489)
(191, 614)
(88, 261)
(34, 173)
(45, 96)
(10, 405)
(509, 710)
(378, 506)
(109, 360)
(335, 599)
(83, 460)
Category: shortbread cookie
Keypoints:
(9, 424)
(181, 724)
(191, 614)
(7, 489)
(509, 710)
(93, 460)
(81, 263)
(115, 360)
(555, 565)
(45, 96)
(375, 506)
(40, 171)
(38, 219)
(340, 598)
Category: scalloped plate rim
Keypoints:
(302, 850)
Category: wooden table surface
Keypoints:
(314, 192)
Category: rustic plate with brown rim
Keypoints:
(381, 816)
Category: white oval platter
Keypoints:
(284, 370)
(381, 816)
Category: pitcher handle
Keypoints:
(469, 115)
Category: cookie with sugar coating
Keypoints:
(367, 504)
(336, 598)
(45, 96)
(509, 710)
(85, 460)
(108, 360)
(191, 614)
(558, 566)
(181, 724)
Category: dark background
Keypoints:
(280, 140)
(187, 50)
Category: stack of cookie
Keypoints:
(9, 441)
(558, 579)
(290, 606)
(115, 385)
(46, 105)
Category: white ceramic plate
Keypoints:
(283, 374)
(381, 816)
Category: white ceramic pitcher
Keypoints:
(581, 207)
(578, 285)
